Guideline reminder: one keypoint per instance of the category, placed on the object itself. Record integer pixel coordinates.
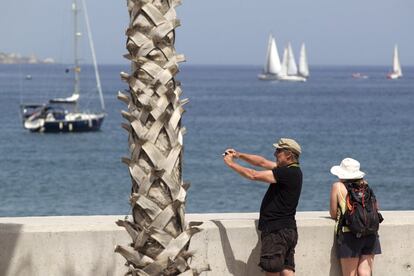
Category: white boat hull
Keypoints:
(270, 77)
(267, 77)
(292, 78)
(393, 76)
(34, 124)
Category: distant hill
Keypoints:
(13, 58)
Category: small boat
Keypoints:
(396, 66)
(64, 114)
(359, 76)
(28, 77)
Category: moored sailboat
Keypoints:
(396, 66)
(63, 114)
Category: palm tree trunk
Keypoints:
(159, 234)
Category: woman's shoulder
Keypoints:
(336, 185)
(339, 187)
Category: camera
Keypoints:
(225, 153)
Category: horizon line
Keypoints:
(213, 64)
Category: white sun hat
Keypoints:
(348, 169)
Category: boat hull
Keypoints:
(80, 125)
(359, 76)
(292, 78)
(272, 77)
(268, 77)
(393, 76)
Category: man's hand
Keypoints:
(232, 152)
(264, 176)
(229, 154)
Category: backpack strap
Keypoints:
(339, 231)
(341, 220)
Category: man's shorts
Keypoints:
(278, 250)
(349, 246)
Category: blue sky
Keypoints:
(351, 32)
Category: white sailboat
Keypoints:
(289, 70)
(55, 116)
(272, 65)
(396, 66)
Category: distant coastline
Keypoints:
(15, 58)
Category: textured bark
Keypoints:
(153, 122)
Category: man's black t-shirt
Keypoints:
(279, 204)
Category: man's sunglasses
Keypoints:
(279, 151)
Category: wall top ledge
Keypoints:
(107, 223)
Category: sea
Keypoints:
(332, 116)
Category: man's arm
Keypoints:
(263, 176)
(255, 160)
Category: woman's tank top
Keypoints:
(342, 208)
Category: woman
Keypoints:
(356, 253)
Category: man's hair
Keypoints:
(294, 155)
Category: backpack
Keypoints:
(361, 215)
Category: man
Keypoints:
(277, 213)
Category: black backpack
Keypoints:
(361, 215)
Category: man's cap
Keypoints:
(289, 144)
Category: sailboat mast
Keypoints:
(76, 39)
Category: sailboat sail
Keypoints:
(266, 64)
(396, 63)
(292, 69)
(303, 62)
(284, 67)
(272, 65)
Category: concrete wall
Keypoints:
(229, 243)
